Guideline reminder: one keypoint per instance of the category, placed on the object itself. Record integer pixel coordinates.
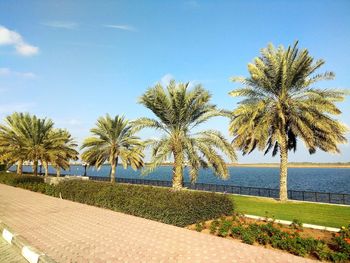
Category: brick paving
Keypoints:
(73, 232)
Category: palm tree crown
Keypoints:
(113, 138)
(283, 104)
(12, 141)
(27, 138)
(179, 111)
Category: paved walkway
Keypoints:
(73, 232)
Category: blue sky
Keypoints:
(74, 61)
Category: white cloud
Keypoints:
(12, 107)
(192, 4)
(165, 80)
(26, 50)
(122, 27)
(8, 72)
(9, 37)
(5, 72)
(62, 24)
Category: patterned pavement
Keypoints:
(73, 232)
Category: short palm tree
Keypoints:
(59, 150)
(281, 104)
(12, 140)
(113, 139)
(179, 110)
(36, 132)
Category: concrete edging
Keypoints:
(31, 254)
(285, 222)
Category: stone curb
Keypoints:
(30, 253)
(285, 222)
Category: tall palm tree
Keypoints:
(113, 139)
(179, 110)
(12, 141)
(282, 103)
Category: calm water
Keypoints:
(335, 180)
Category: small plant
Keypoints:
(248, 237)
(214, 226)
(296, 224)
(224, 228)
(200, 227)
(236, 231)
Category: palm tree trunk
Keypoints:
(20, 167)
(46, 167)
(114, 163)
(58, 171)
(283, 168)
(178, 180)
(35, 167)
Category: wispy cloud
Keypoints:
(165, 80)
(9, 72)
(62, 24)
(12, 107)
(12, 38)
(193, 4)
(86, 44)
(122, 27)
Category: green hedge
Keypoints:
(14, 180)
(178, 208)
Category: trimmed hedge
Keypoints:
(180, 208)
(14, 180)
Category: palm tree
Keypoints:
(113, 138)
(67, 152)
(12, 141)
(36, 132)
(180, 110)
(26, 137)
(59, 150)
(281, 104)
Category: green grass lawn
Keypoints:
(311, 213)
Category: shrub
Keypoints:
(296, 224)
(27, 179)
(338, 250)
(199, 227)
(214, 226)
(40, 187)
(14, 179)
(248, 237)
(224, 228)
(237, 231)
(2, 167)
(178, 208)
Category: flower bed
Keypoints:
(294, 239)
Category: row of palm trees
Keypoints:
(281, 104)
(25, 137)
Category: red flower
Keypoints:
(347, 240)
